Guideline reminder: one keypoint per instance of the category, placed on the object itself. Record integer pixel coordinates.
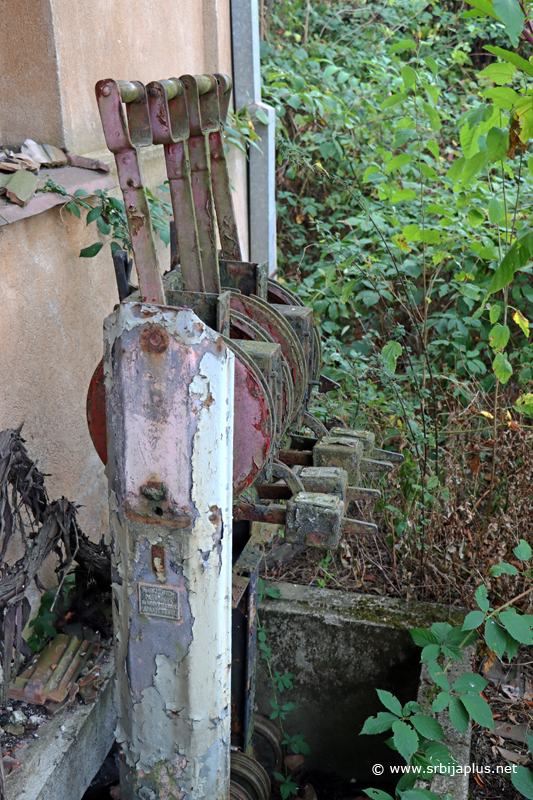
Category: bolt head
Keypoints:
(106, 91)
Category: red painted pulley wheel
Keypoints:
(254, 420)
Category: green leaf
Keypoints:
(397, 162)
(498, 73)
(434, 118)
(512, 16)
(495, 312)
(499, 336)
(330, 70)
(512, 647)
(408, 76)
(371, 170)
(390, 701)
(432, 64)
(393, 100)
(485, 7)
(433, 148)
(403, 44)
(479, 709)
(411, 232)
(441, 630)
(378, 794)
(469, 683)
(347, 291)
(495, 211)
(517, 625)
(379, 724)
(430, 653)
(458, 715)
(523, 551)
(294, 101)
(422, 637)
(473, 620)
(403, 194)
(262, 116)
(114, 247)
(103, 227)
(482, 598)
(503, 569)
(92, 250)
(428, 727)
(512, 58)
(472, 167)
(390, 354)
(495, 637)
(405, 739)
(502, 368)
(522, 780)
(497, 144)
(438, 676)
(93, 214)
(503, 97)
(440, 702)
(420, 794)
(456, 169)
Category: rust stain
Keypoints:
(209, 400)
(154, 339)
(136, 223)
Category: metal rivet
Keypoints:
(106, 91)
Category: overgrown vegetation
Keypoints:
(405, 188)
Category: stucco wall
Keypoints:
(52, 52)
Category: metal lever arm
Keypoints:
(170, 127)
(123, 138)
(202, 190)
(227, 225)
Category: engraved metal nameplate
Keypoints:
(159, 601)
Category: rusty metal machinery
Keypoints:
(281, 476)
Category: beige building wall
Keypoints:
(52, 52)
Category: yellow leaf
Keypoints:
(522, 322)
(318, 165)
(486, 414)
(300, 218)
(401, 243)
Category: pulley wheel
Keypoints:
(267, 317)
(248, 773)
(242, 327)
(255, 423)
(276, 293)
(254, 419)
(96, 416)
(236, 792)
(266, 744)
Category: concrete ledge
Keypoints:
(70, 750)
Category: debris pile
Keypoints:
(20, 175)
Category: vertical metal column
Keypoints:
(169, 395)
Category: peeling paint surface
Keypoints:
(170, 425)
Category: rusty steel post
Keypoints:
(169, 396)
